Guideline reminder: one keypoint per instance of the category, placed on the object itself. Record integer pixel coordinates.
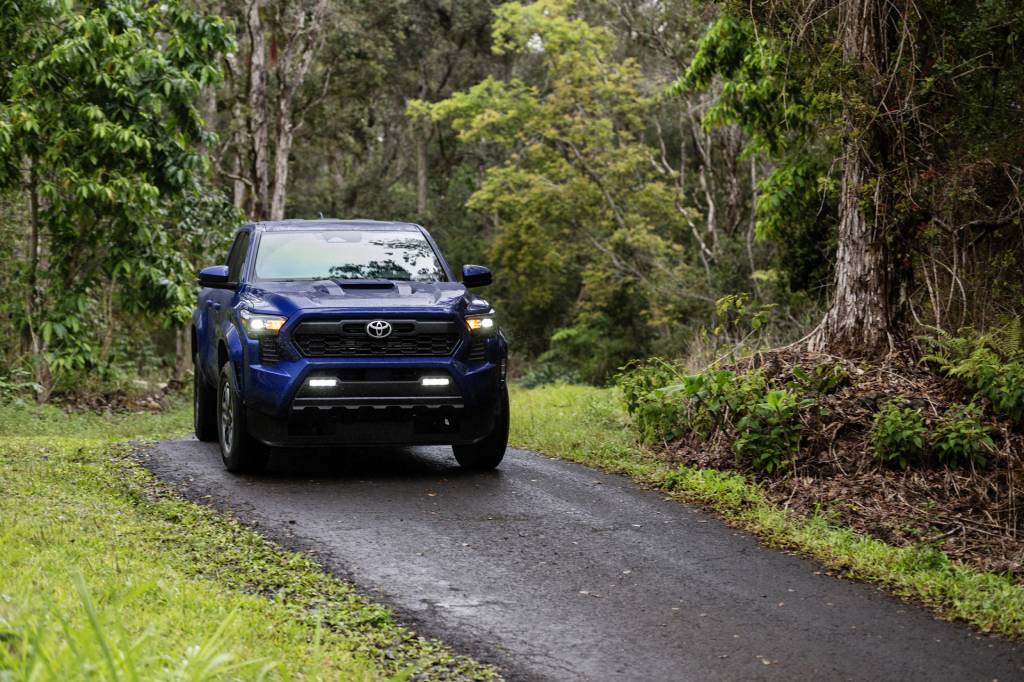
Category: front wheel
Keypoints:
(487, 453)
(240, 451)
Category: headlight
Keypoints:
(482, 324)
(262, 325)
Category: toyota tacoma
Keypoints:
(346, 332)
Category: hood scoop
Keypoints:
(366, 284)
(368, 287)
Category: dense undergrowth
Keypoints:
(926, 452)
(106, 574)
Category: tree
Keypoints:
(586, 222)
(98, 128)
(915, 96)
(267, 99)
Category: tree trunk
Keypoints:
(182, 353)
(282, 150)
(864, 317)
(422, 167)
(259, 172)
(300, 31)
(867, 315)
(36, 347)
(238, 194)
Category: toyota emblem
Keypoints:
(378, 329)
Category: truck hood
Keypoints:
(288, 298)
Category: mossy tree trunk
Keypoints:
(868, 312)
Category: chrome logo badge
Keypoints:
(378, 329)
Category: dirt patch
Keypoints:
(972, 514)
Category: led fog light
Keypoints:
(435, 381)
(323, 383)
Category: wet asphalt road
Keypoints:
(554, 571)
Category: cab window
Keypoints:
(236, 258)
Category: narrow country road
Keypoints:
(557, 572)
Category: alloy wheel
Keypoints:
(227, 417)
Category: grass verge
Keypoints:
(104, 573)
(589, 426)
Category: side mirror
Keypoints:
(475, 276)
(214, 277)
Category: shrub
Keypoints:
(960, 438)
(709, 397)
(18, 386)
(638, 380)
(770, 430)
(823, 379)
(767, 421)
(659, 414)
(897, 434)
(543, 373)
(977, 364)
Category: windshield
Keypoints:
(347, 254)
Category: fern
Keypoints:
(1006, 339)
(990, 365)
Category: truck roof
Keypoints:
(333, 223)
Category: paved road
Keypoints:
(557, 572)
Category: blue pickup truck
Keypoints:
(346, 332)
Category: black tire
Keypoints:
(488, 453)
(240, 451)
(204, 407)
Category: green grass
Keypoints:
(589, 425)
(106, 574)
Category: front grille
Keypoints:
(270, 350)
(348, 338)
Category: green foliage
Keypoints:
(897, 434)
(736, 313)
(763, 90)
(931, 125)
(643, 386)
(586, 227)
(974, 361)
(98, 125)
(960, 438)
(770, 429)
(17, 386)
(141, 584)
(544, 373)
(824, 378)
(765, 421)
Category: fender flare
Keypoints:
(236, 355)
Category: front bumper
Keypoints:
(376, 401)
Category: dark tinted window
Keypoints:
(237, 256)
(403, 255)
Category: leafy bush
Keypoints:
(770, 430)
(960, 437)
(823, 379)
(659, 415)
(544, 373)
(718, 398)
(638, 379)
(17, 386)
(897, 434)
